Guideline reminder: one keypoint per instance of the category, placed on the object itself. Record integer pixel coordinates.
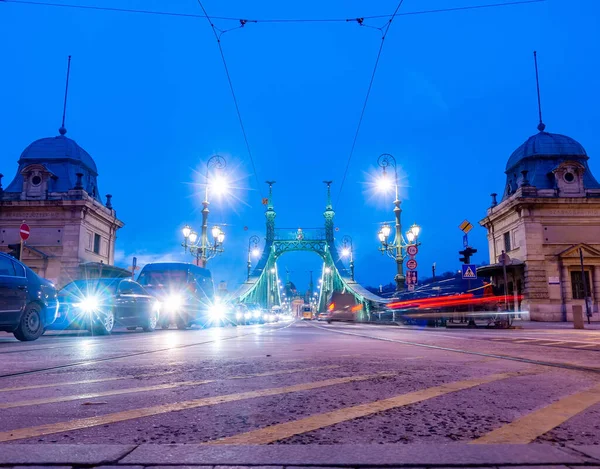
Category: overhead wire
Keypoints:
(366, 100)
(218, 33)
(265, 20)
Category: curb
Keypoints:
(279, 456)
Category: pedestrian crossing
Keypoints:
(526, 428)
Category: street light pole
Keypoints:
(214, 163)
(252, 249)
(348, 250)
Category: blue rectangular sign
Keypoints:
(469, 271)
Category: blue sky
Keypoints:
(454, 95)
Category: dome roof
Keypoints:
(547, 145)
(48, 150)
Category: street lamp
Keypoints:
(395, 248)
(216, 182)
(209, 250)
(347, 251)
(252, 251)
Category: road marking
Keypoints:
(87, 381)
(586, 345)
(285, 430)
(156, 387)
(531, 426)
(78, 424)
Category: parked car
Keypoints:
(100, 304)
(28, 302)
(185, 291)
(322, 316)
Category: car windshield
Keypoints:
(163, 278)
(87, 287)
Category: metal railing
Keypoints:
(299, 234)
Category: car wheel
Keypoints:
(30, 327)
(105, 324)
(151, 322)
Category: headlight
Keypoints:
(256, 314)
(239, 316)
(174, 302)
(272, 317)
(88, 304)
(156, 306)
(248, 315)
(217, 311)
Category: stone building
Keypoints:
(548, 218)
(55, 191)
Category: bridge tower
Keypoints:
(329, 214)
(270, 215)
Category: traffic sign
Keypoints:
(24, 231)
(411, 264)
(412, 250)
(411, 277)
(465, 241)
(465, 226)
(469, 271)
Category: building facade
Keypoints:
(548, 224)
(55, 191)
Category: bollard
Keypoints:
(577, 316)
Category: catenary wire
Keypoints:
(235, 101)
(366, 100)
(266, 20)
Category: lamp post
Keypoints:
(395, 248)
(252, 251)
(348, 251)
(202, 253)
(200, 246)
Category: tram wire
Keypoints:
(264, 20)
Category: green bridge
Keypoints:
(262, 285)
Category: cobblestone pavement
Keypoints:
(302, 394)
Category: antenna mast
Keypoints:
(62, 129)
(541, 126)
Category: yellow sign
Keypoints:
(465, 226)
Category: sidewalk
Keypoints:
(293, 456)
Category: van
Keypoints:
(186, 294)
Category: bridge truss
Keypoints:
(262, 285)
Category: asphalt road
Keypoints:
(303, 383)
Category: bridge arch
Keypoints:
(262, 285)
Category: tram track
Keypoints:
(531, 361)
(137, 354)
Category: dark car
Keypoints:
(28, 303)
(100, 304)
(186, 294)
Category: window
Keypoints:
(577, 285)
(19, 269)
(96, 243)
(507, 246)
(36, 180)
(6, 267)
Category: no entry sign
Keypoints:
(24, 231)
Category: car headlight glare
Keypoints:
(256, 314)
(217, 311)
(239, 316)
(174, 302)
(88, 304)
(248, 315)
